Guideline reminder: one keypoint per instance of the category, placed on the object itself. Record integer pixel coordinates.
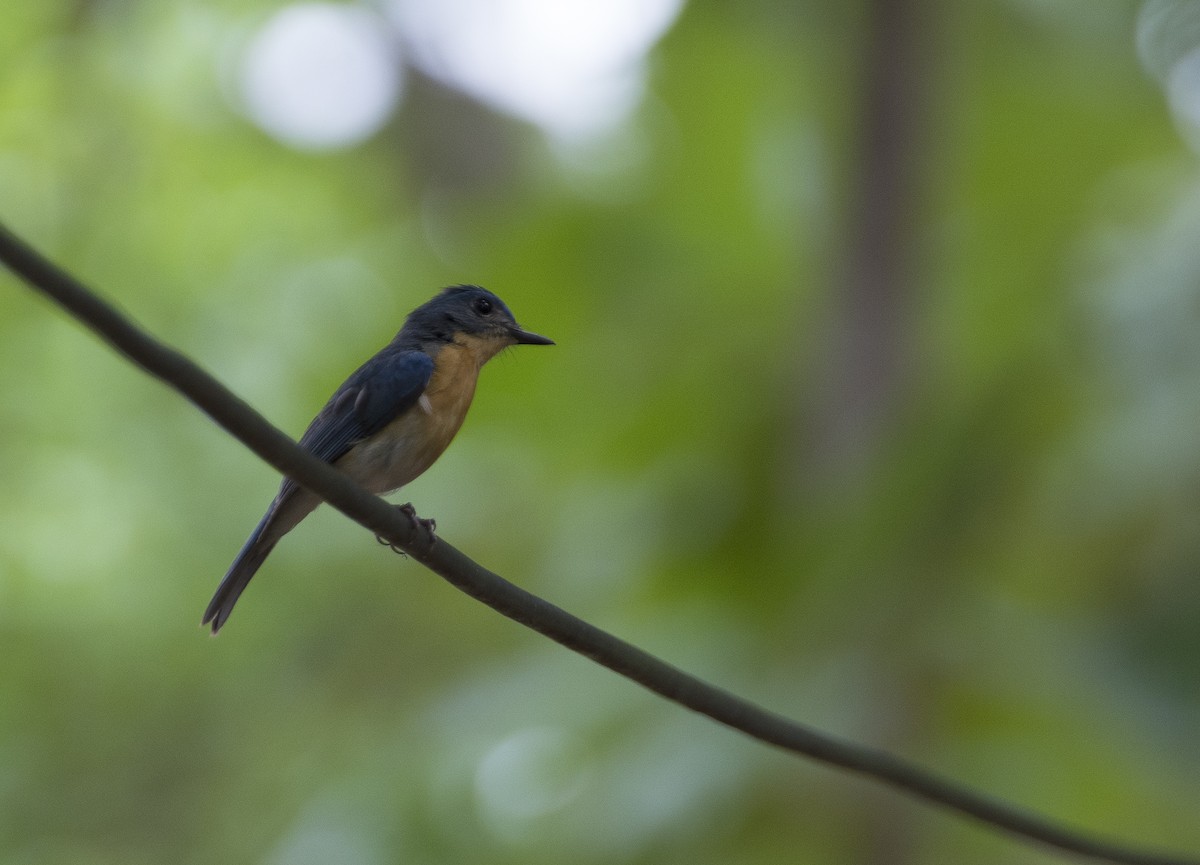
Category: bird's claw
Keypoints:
(419, 523)
(382, 541)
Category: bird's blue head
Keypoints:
(471, 313)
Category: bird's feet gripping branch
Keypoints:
(420, 525)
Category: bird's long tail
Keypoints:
(245, 566)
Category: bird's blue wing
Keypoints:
(379, 391)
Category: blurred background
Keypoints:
(876, 400)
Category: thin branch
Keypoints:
(249, 427)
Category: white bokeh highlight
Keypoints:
(1183, 95)
(1168, 44)
(532, 773)
(1166, 30)
(575, 68)
(321, 76)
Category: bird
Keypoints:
(391, 419)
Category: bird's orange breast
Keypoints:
(411, 443)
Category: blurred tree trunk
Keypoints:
(865, 367)
(867, 356)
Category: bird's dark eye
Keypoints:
(483, 306)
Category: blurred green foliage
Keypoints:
(998, 578)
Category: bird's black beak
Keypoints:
(525, 337)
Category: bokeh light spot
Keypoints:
(320, 76)
(527, 775)
(1183, 95)
(573, 67)
(1166, 31)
